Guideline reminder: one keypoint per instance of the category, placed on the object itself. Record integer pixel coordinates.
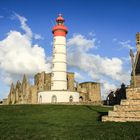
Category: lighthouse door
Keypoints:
(54, 99)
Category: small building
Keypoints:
(89, 91)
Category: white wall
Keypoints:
(62, 96)
(59, 66)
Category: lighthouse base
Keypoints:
(57, 97)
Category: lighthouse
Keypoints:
(59, 91)
(59, 63)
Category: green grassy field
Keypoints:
(59, 122)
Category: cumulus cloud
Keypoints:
(18, 55)
(82, 42)
(96, 66)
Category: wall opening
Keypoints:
(40, 99)
(71, 99)
(54, 99)
(81, 99)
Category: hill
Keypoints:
(61, 122)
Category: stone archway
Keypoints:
(81, 99)
(54, 99)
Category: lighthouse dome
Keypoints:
(60, 18)
(60, 29)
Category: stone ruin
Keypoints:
(25, 93)
(128, 110)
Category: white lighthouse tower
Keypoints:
(59, 92)
(59, 63)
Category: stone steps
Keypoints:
(130, 102)
(120, 119)
(131, 114)
(127, 108)
(134, 96)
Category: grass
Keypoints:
(59, 122)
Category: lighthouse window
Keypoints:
(60, 22)
(54, 50)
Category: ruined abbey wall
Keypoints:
(25, 93)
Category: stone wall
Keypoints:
(25, 93)
(43, 81)
(4, 102)
(128, 110)
(22, 93)
(70, 80)
(137, 77)
(91, 90)
(34, 95)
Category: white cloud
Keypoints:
(78, 76)
(126, 59)
(107, 87)
(18, 55)
(82, 42)
(96, 66)
(24, 26)
(38, 36)
(92, 34)
(126, 44)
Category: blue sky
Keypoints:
(113, 24)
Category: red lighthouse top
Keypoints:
(60, 29)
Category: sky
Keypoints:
(100, 36)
